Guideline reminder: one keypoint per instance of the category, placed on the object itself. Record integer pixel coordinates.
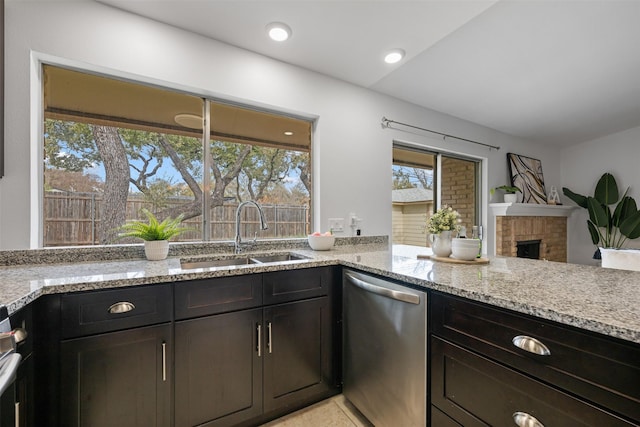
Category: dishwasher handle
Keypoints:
(385, 292)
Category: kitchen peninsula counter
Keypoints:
(592, 298)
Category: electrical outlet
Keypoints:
(336, 224)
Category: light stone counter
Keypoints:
(592, 298)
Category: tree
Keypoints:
(135, 159)
(116, 182)
(75, 182)
(408, 177)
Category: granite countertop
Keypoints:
(592, 298)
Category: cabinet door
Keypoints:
(218, 369)
(298, 353)
(117, 379)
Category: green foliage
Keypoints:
(70, 147)
(609, 229)
(506, 188)
(410, 177)
(578, 198)
(153, 229)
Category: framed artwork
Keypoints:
(526, 174)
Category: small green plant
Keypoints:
(609, 229)
(507, 189)
(153, 229)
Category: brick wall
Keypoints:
(551, 230)
(458, 188)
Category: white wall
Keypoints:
(352, 153)
(582, 167)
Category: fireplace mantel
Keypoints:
(530, 209)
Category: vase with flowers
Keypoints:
(442, 227)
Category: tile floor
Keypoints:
(334, 412)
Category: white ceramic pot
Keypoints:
(622, 259)
(156, 250)
(511, 197)
(441, 243)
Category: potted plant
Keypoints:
(612, 219)
(441, 226)
(155, 234)
(510, 193)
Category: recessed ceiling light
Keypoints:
(288, 133)
(278, 31)
(394, 55)
(191, 121)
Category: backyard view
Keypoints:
(100, 170)
(415, 184)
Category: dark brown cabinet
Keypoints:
(476, 391)
(297, 353)
(228, 351)
(218, 369)
(248, 358)
(115, 357)
(117, 379)
(490, 365)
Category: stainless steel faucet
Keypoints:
(263, 224)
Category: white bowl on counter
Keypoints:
(321, 243)
(465, 249)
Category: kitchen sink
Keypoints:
(277, 258)
(240, 260)
(226, 262)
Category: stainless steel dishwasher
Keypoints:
(385, 350)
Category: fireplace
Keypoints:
(531, 230)
(528, 249)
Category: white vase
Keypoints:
(441, 243)
(511, 197)
(156, 250)
(622, 259)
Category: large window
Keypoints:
(425, 181)
(113, 147)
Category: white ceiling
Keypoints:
(552, 71)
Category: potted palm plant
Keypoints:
(510, 193)
(155, 234)
(612, 219)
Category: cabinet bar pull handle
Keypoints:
(522, 419)
(164, 361)
(259, 328)
(269, 342)
(17, 414)
(121, 307)
(531, 345)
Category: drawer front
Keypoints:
(600, 369)
(292, 285)
(440, 419)
(95, 312)
(213, 296)
(476, 391)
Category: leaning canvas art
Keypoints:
(526, 174)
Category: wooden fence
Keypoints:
(72, 219)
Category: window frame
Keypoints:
(481, 175)
(37, 171)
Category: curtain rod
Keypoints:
(386, 123)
